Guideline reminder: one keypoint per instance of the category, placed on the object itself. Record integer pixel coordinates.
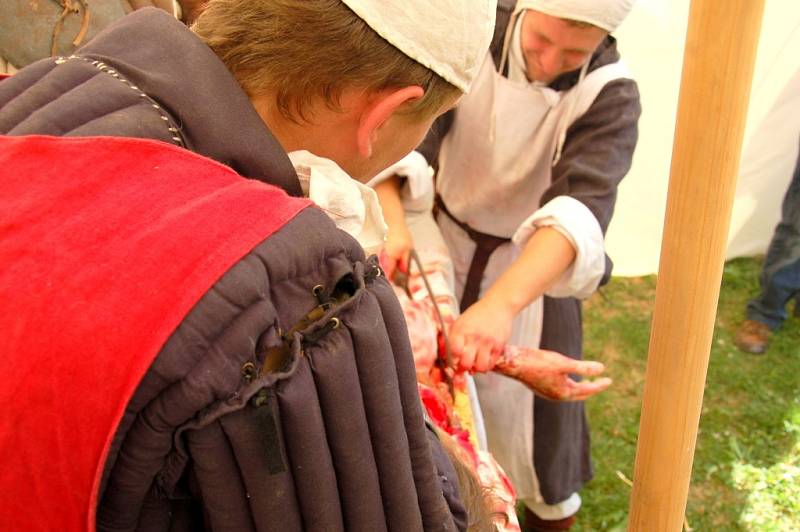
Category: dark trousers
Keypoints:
(780, 275)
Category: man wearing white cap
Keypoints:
(527, 170)
(270, 385)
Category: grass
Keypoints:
(746, 473)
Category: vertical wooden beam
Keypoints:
(718, 63)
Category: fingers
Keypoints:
(393, 261)
(489, 353)
(473, 353)
(402, 262)
(584, 368)
(398, 246)
(390, 264)
(478, 337)
(587, 368)
(483, 358)
(464, 353)
(580, 391)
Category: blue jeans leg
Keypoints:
(780, 275)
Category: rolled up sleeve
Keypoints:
(576, 222)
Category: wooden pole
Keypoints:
(718, 64)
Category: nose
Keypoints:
(551, 61)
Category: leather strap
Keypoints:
(485, 244)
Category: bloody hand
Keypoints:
(547, 373)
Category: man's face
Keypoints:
(396, 138)
(553, 46)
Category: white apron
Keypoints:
(495, 164)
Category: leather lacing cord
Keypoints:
(70, 7)
(279, 358)
(173, 129)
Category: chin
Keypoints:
(539, 78)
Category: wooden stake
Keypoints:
(718, 64)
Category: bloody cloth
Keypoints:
(105, 245)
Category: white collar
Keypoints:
(352, 206)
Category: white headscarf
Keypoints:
(606, 14)
(450, 37)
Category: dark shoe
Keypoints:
(533, 523)
(753, 337)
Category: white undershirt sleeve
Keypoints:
(576, 222)
(414, 167)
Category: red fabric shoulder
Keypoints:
(105, 246)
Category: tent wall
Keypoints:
(651, 41)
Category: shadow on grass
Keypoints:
(750, 417)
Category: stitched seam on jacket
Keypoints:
(173, 129)
(26, 97)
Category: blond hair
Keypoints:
(301, 50)
(479, 501)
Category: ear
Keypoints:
(378, 111)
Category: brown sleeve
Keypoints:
(432, 142)
(598, 151)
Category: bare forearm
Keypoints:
(545, 257)
(388, 192)
(398, 239)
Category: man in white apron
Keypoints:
(527, 170)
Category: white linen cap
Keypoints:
(606, 14)
(451, 37)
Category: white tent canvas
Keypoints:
(652, 44)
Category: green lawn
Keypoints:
(746, 473)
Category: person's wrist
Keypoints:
(399, 235)
(497, 305)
